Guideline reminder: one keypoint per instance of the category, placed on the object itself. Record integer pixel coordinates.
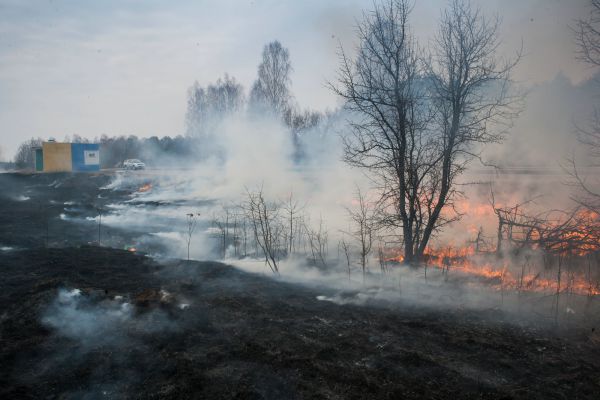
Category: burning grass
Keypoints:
(550, 252)
(145, 188)
(532, 272)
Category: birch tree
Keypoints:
(271, 90)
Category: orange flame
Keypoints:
(498, 274)
(501, 277)
(145, 188)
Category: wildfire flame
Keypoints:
(499, 275)
(145, 188)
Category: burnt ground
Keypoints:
(31, 208)
(142, 329)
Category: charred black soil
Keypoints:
(223, 333)
(83, 321)
(36, 209)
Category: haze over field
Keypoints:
(121, 68)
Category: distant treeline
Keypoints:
(208, 106)
(114, 150)
(153, 151)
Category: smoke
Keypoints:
(72, 316)
(106, 337)
(544, 135)
(93, 321)
(257, 152)
(533, 160)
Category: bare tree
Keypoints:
(382, 87)
(299, 121)
(363, 221)
(587, 37)
(25, 156)
(292, 209)
(266, 227)
(515, 224)
(346, 247)
(381, 255)
(554, 232)
(271, 90)
(191, 221)
(226, 96)
(418, 120)
(243, 229)
(318, 242)
(479, 243)
(207, 106)
(471, 93)
(221, 222)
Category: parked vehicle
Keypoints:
(133, 163)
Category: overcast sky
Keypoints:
(123, 67)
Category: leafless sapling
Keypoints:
(267, 229)
(317, 241)
(362, 217)
(191, 221)
(221, 222)
(292, 209)
(346, 248)
(381, 255)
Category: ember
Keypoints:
(145, 188)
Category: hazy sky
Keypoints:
(123, 67)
